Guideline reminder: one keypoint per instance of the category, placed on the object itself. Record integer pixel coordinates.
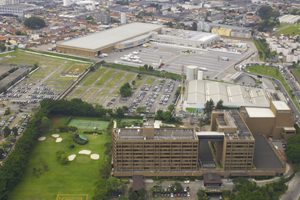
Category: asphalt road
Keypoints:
(293, 192)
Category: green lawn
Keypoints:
(274, 73)
(150, 81)
(89, 94)
(76, 177)
(281, 25)
(297, 73)
(130, 120)
(293, 29)
(127, 79)
(100, 97)
(115, 79)
(78, 68)
(77, 93)
(94, 77)
(105, 78)
(88, 124)
(139, 81)
(86, 77)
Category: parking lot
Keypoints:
(102, 88)
(173, 59)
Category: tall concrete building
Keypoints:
(229, 149)
(66, 2)
(123, 18)
(103, 17)
(8, 2)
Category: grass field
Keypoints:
(139, 81)
(77, 93)
(100, 97)
(127, 79)
(94, 77)
(294, 29)
(130, 120)
(89, 94)
(76, 177)
(150, 81)
(88, 124)
(86, 77)
(281, 25)
(274, 73)
(77, 68)
(116, 78)
(297, 73)
(105, 78)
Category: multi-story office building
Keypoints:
(148, 151)
(103, 17)
(229, 149)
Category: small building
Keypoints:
(212, 180)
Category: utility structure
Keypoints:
(182, 81)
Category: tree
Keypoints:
(194, 26)
(59, 153)
(2, 47)
(7, 111)
(142, 191)
(92, 68)
(34, 23)
(15, 131)
(146, 66)
(133, 196)
(133, 82)
(139, 76)
(105, 170)
(171, 107)
(119, 112)
(6, 131)
(265, 12)
(45, 124)
(125, 90)
(125, 108)
(150, 68)
(18, 32)
(219, 104)
(293, 148)
(208, 107)
(1, 152)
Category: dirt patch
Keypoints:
(56, 120)
(82, 159)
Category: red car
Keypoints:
(178, 194)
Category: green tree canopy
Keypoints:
(266, 12)
(219, 104)
(120, 112)
(293, 148)
(34, 23)
(125, 90)
(208, 107)
(171, 107)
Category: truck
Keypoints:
(224, 58)
(259, 76)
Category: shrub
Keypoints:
(59, 153)
(78, 140)
(63, 159)
(91, 132)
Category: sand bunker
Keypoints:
(58, 139)
(95, 156)
(71, 157)
(86, 152)
(41, 138)
(55, 135)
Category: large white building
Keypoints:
(198, 92)
(289, 19)
(7, 2)
(20, 9)
(123, 18)
(185, 38)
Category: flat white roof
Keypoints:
(210, 133)
(259, 112)
(110, 36)
(280, 105)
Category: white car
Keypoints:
(188, 194)
(187, 181)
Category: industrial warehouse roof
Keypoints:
(260, 112)
(202, 91)
(111, 36)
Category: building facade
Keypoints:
(103, 17)
(229, 149)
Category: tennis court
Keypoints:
(88, 124)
